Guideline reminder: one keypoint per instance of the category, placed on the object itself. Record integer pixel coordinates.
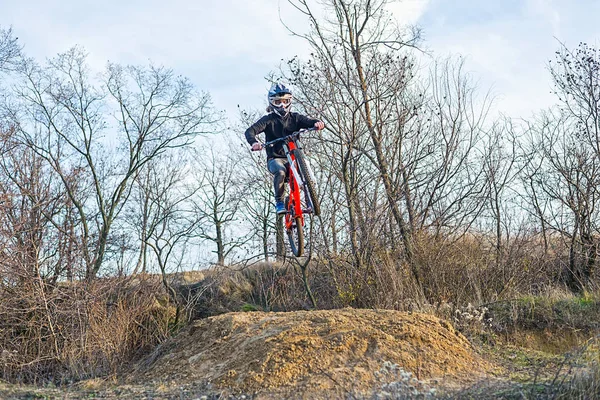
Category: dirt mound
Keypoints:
(311, 354)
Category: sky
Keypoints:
(228, 47)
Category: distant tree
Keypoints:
(169, 220)
(10, 50)
(64, 116)
(256, 191)
(217, 202)
(502, 165)
(160, 210)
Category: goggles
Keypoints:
(281, 102)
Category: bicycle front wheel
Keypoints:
(296, 237)
(309, 182)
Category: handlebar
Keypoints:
(291, 136)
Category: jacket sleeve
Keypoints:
(256, 128)
(305, 122)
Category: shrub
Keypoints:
(67, 332)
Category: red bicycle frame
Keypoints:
(294, 205)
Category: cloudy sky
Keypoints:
(227, 47)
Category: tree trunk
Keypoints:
(220, 248)
(279, 234)
(382, 164)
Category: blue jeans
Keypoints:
(278, 167)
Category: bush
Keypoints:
(67, 332)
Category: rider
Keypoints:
(279, 122)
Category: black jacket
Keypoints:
(275, 127)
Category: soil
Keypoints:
(334, 354)
(312, 354)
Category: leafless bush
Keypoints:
(66, 332)
(467, 269)
(265, 286)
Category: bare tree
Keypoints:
(170, 218)
(10, 50)
(576, 76)
(160, 197)
(404, 149)
(351, 43)
(156, 112)
(218, 203)
(499, 167)
(563, 175)
(257, 202)
(37, 224)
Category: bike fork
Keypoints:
(295, 170)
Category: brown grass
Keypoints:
(62, 332)
(68, 332)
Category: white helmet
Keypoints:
(280, 99)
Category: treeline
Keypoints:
(415, 171)
(426, 196)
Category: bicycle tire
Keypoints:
(296, 243)
(309, 183)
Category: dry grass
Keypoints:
(68, 332)
(63, 333)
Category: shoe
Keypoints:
(280, 207)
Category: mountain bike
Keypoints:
(302, 197)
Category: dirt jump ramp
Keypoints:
(311, 354)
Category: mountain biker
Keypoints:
(278, 123)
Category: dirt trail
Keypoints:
(312, 354)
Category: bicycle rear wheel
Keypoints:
(296, 237)
(309, 183)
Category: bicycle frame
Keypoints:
(294, 205)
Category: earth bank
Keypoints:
(312, 354)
